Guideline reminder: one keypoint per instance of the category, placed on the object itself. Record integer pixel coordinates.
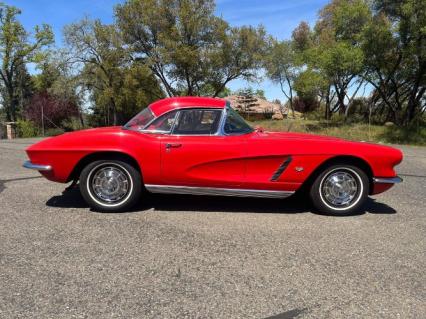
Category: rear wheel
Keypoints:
(340, 190)
(110, 185)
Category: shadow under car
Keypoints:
(298, 203)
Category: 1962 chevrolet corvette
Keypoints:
(201, 146)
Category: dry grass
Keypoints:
(355, 132)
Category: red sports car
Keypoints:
(201, 146)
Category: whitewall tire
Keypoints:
(340, 190)
(110, 185)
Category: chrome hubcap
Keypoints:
(339, 188)
(110, 184)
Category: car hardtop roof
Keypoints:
(165, 105)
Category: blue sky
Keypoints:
(279, 17)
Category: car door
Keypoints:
(195, 155)
(266, 157)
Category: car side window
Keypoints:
(235, 124)
(163, 124)
(197, 122)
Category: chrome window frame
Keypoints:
(220, 131)
(225, 109)
(202, 109)
(179, 111)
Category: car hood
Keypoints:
(330, 145)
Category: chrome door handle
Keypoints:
(173, 145)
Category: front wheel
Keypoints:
(110, 185)
(340, 190)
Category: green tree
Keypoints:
(337, 53)
(310, 85)
(134, 89)
(57, 83)
(117, 84)
(311, 81)
(395, 43)
(282, 68)
(246, 101)
(302, 38)
(208, 90)
(24, 88)
(260, 94)
(16, 49)
(187, 47)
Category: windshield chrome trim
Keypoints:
(221, 128)
(144, 130)
(153, 119)
(125, 127)
(228, 105)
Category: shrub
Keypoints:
(26, 128)
(305, 104)
(413, 134)
(54, 132)
(268, 113)
(71, 124)
(54, 109)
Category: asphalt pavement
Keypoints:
(208, 257)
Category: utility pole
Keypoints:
(42, 119)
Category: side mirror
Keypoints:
(259, 129)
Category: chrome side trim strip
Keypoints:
(281, 169)
(213, 191)
(392, 180)
(37, 167)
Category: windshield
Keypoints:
(235, 124)
(141, 120)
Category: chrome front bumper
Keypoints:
(37, 167)
(391, 180)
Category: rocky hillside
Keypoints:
(257, 106)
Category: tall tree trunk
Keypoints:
(291, 106)
(340, 98)
(327, 106)
(80, 116)
(7, 114)
(291, 95)
(413, 101)
(342, 106)
(14, 105)
(11, 104)
(114, 112)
